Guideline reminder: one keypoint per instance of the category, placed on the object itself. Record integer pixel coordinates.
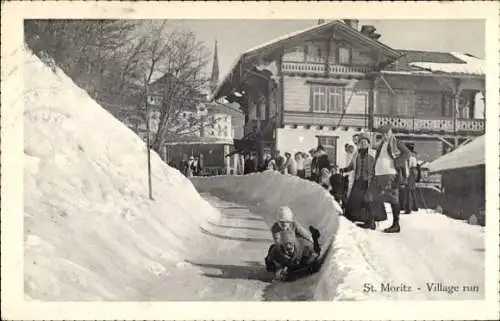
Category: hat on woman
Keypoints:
(362, 136)
(285, 214)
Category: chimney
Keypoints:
(369, 31)
(353, 23)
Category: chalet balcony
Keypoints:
(431, 125)
(319, 69)
(399, 123)
(325, 119)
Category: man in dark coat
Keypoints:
(280, 162)
(337, 186)
(408, 186)
(390, 159)
(323, 161)
(249, 165)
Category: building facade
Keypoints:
(324, 84)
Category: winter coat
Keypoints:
(397, 151)
(323, 162)
(291, 166)
(303, 256)
(300, 162)
(337, 184)
(355, 165)
(300, 231)
(249, 166)
(280, 163)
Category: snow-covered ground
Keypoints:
(91, 233)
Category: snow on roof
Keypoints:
(471, 65)
(469, 155)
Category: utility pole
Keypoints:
(148, 138)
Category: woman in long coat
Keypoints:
(363, 166)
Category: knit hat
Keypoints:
(364, 136)
(285, 214)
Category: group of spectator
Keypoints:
(192, 166)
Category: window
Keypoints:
(154, 100)
(344, 56)
(319, 98)
(330, 145)
(401, 103)
(335, 99)
(326, 99)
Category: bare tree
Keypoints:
(83, 49)
(177, 60)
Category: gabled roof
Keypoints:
(469, 155)
(270, 51)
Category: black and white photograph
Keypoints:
(311, 159)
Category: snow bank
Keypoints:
(431, 248)
(265, 192)
(90, 230)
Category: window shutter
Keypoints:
(311, 98)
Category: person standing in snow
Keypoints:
(290, 164)
(349, 179)
(249, 164)
(408, 189)
(337, 189)
(362, 166)
(324, 179)
(390, 158)
(307, 165)
(323, 161)
(280, 162)
(189, 167)
(314, 166)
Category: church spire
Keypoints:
(214, 81)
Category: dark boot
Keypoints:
(394, 228)
(370, 219)
(315, 235)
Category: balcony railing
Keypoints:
(319, 68)
(430, 125)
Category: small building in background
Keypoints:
(463, 181)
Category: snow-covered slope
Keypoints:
(90, 230)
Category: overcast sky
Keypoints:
(236, 36)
